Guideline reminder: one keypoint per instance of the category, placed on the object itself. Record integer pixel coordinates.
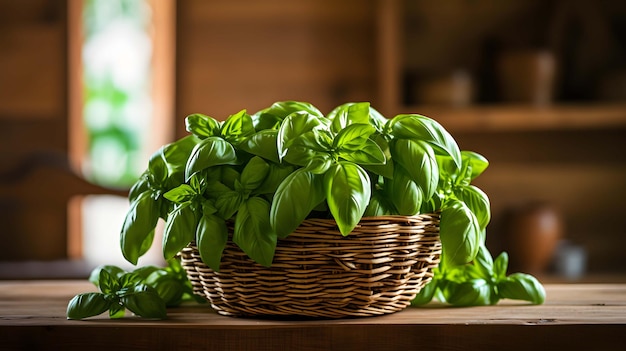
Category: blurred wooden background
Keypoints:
(247, 54)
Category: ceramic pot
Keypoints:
(533, 232)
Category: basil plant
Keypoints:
(266, 172)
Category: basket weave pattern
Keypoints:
(377, 269)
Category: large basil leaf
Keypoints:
(145, 302)
(379, 205)
(417, 127)
(386, 169)
(228, 203)
(426, 294)
(353, 137)
(138, 228)
(282, 109)
(237, 127)
(460, 234)
(176, 155)
(87, 305)
(209, 152)
(294, 199)
(477, 201)
(263, 144)
(254, 173)
(404, 192)
(180, 194)
(157, 170)
(202, 126)
(293, 127)
(418, 159)
(348, 192)
(180, 229)
(344, 115)
(477, 163)
(520, 286)
(253, 232)
(276, 174)
(473, 292)
(211, 237)
(368, 154)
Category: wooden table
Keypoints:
(581, 316)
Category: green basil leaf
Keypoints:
(128, 281)
(276, 174)
(266, 121)
(477, 201)
(157, 170)
(353, 137)
(182, 193)
(202, 126)
(377, 120)
(426, 294)
(229, 176)
(113, 271)
(405, 195)
(179, 230)
(282, 109)
(348, 192)
(138, 228)
(87, 305)
(477, 163)
(263, 144)
(294, 199)
(292, 128)
(142, 185)
(368, 154)
(474, 292)
(386, 169)
(176, 155)
(167, 286)
(228, 203)
(146, 303)
(379, 205)
(520, 286)
(417, 127)
(254, 173)
(344, 115)
(107, 282)
(460, 234)
(483, 262)
(319, 163)
(418, 158)
(209, 152)
(501, 265)
(237, 127)
(215, 189)
(211, 238)
(144, 272)
(299, 155)
(253, 232)
(116, 310)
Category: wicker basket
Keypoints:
(377, 269)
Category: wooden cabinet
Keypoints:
(567, 149)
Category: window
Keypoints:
(121, 63)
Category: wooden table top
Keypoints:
(574, 316)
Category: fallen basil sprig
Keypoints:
(146, 292)
(482, 282)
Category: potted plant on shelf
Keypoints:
(292, 212)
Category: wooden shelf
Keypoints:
(506, 118)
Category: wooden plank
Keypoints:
(573, 317)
